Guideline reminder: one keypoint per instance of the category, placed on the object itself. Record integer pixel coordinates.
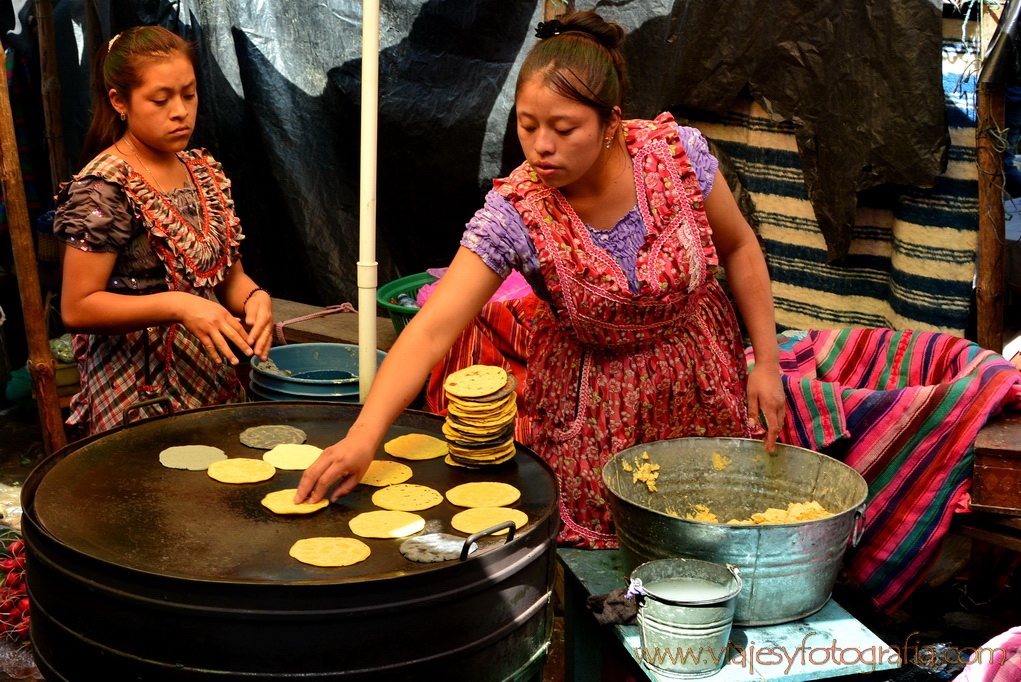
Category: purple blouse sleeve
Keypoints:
(497, 235)
(702, 161)
(93, 215)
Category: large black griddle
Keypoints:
(110, 499)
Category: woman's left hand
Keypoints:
(259, 321)
(766, 400)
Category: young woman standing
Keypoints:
(619, 226)
(153, 284)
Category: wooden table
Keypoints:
(829, 643)
(333, 328)
(996, 485)
(996, 481)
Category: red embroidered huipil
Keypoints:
(120, 370)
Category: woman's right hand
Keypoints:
(212, 325)
(345, 461)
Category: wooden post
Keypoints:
(59, 170)
(41, 363)
(989, 287)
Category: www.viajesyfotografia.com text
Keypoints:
(808, 654)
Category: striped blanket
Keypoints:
(913, 251)
(903, 409)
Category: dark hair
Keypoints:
(118, 65)
(581, 62)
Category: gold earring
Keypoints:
(608, 140)
(124, 116)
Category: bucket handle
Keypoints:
(509, 525)
(146, 403)
(857, 526)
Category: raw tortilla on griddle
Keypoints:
(268, 436)
(191, 457)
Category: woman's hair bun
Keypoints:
(607, 33)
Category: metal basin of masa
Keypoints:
(788, 569)
(142, 572)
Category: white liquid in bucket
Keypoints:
(687, 590)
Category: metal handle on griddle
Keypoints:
(146, 403)
(509, 525)
(857, 526)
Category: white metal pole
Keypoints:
(367, 266)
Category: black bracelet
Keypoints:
(249, 296)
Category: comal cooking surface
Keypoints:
(112, 500)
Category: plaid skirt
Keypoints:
(119, 371)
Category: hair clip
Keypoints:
(548, 29)
(109, 45)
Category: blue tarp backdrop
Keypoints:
(280, 99)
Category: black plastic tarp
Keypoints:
(280, 107)
(861, 82)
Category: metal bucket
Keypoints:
(685, 613)
(788, 569)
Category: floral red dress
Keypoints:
(183, 240)
(608, 368)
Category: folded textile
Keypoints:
(613, 608)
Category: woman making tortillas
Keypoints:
(153, 284)
(619, 226)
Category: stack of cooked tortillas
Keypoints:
(480, 416)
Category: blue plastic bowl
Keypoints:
(326, 370)
(270, 394)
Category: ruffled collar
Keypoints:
(196, 256)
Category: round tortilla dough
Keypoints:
(282, 502)
(386, 524)
(406, 497)
(292, 456)
(330, 551)
(191, 457)
(384, 472)
(475, 381)
(415, 446)
(481, 410)
(471, 462)
(483, 494)
(268, 436)
(454, 463)
(241, 470)
(471, 521)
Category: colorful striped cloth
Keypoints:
(912, 257)
(903, 409)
